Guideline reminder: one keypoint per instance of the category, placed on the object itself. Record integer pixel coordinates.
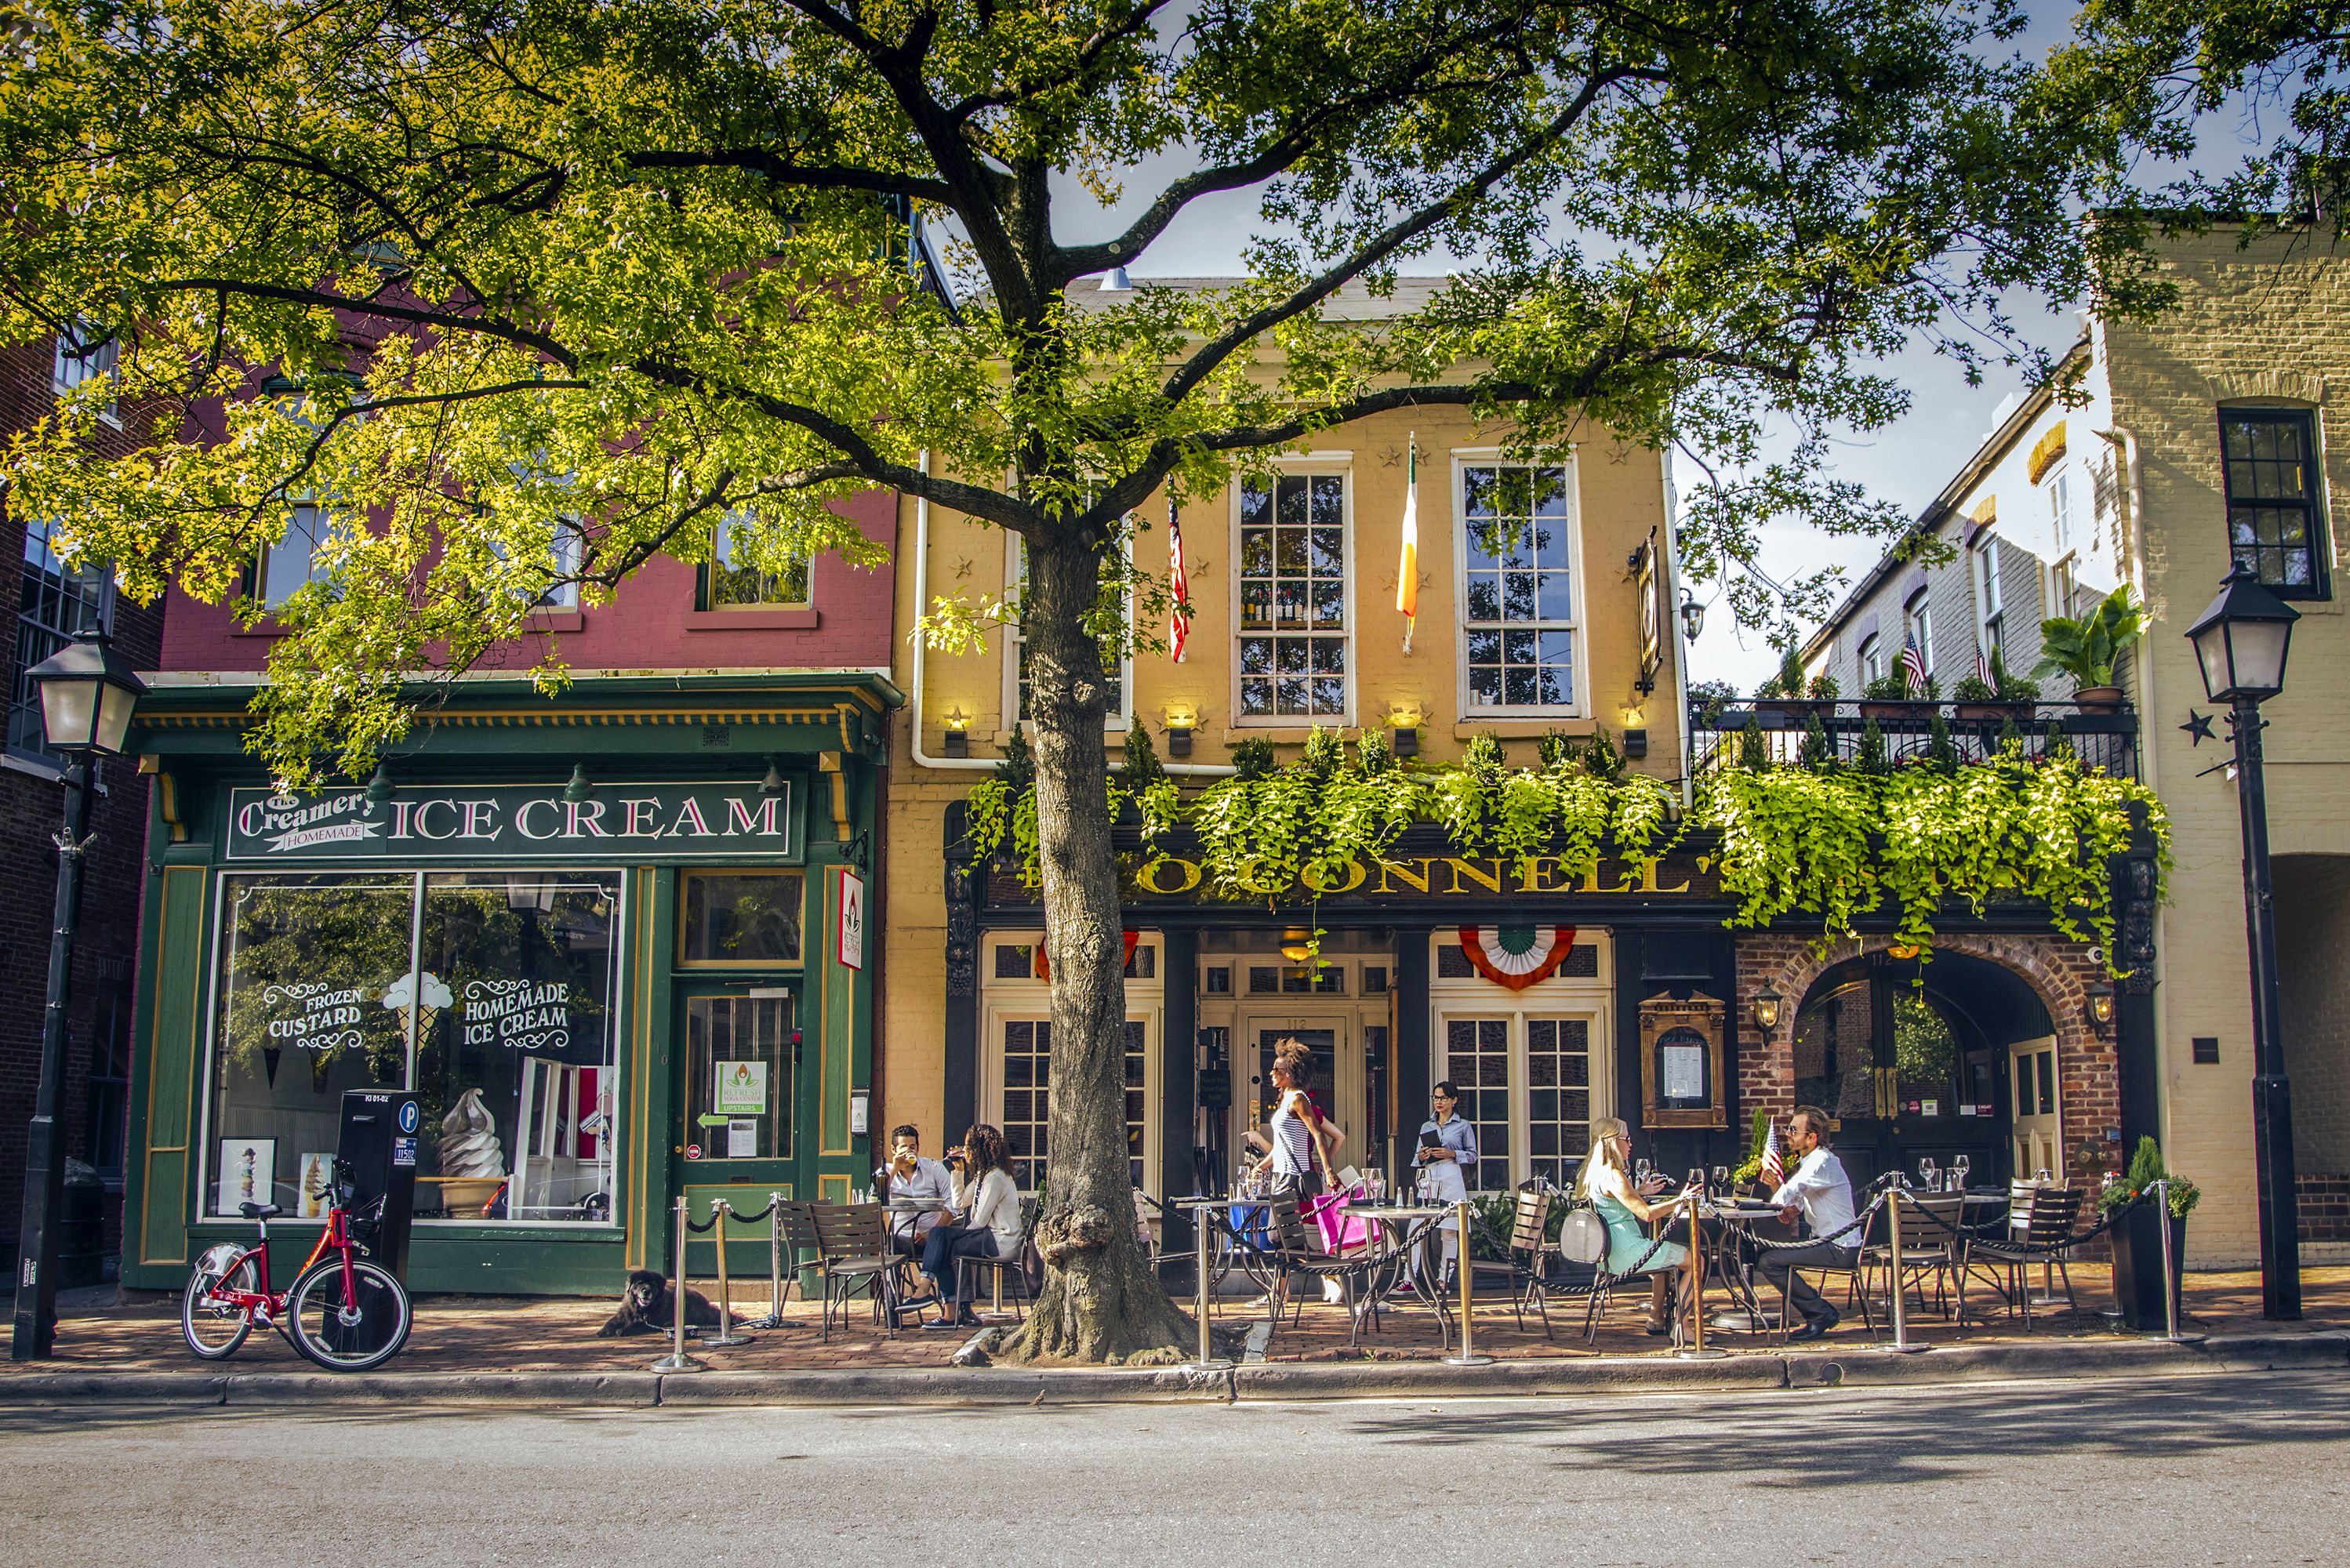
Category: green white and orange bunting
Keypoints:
(1517, 956)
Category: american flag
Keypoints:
(1774, 1163)
(1178, 585)
(1913, 667)
(1983, 666)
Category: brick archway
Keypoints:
(2059, 971)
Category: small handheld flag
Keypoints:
(1408, 572)
(1774, 1163)
(1178, 585)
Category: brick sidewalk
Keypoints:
(487, 1334)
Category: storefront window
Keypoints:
(744, 919)
(739, 1097)
(489, 994)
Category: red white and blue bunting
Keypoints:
(1517, 956)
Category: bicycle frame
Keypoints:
(267, 1305)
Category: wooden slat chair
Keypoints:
(1525, 1265)
(1933, 1247)
(2037, 1217)
(853, 1254)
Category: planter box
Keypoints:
(2138, 1266)
(1886, 713)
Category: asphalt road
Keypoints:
(2237, 1469)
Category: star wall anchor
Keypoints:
(2197, 728)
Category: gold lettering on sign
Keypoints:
(1315, 880)
(1460, 868)
(1147, 878)
(1539, 870)
(1649, 879)
(1253, 879)
(1419, 881)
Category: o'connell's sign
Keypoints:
(1168, 879)
(507, 821)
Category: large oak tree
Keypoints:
(525, 290)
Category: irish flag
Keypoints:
(1408, 572)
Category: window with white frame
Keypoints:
(1918, 627)
(1991, 598)
(1293, 599)
(1517, 552)
(296, 558)
(85, 353)
(737, 583)
(1116, 664)
(1526, 1082)
(1872, 658)
(2060, 508)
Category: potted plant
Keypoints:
(1825, 689)
(1780, 700)
(2139, 1282)
(1887, 699)
(1708, 698)
(1978, 701)
(2088, 648)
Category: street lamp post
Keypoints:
(87, 696)
(2240, 643)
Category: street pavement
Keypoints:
(2246, 1469)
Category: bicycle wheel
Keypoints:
(213, 1328)
(347, 1336)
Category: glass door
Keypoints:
(739, 1098)
(1337, 1089)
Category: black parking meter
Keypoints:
(381, 1135)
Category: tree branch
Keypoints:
(779, 170)
(480, 326)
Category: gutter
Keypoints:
(921, 659)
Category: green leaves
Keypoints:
(2088, 647)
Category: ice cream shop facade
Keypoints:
(615, 943)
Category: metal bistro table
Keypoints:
(1733, 1264)
(1201, 1209)
(1428, 1285)
(909, 1208)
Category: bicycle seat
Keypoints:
(259, 1210)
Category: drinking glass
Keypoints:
(1640, 1169)
(1959, 1166)
(1925, 1174)
(1721, 1178)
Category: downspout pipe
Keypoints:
(922, 662)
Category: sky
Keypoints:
(1907, 461)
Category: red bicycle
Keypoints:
(343, 1312)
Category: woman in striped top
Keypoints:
(1295, 1130)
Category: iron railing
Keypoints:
(2103, 738)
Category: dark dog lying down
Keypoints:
(648, 1304)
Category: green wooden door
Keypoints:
(740, 1097)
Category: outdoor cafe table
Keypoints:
(1390, 1219)
(908, 1209)
(1732, 1261)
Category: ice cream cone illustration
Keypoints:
(469, 1140)
(403, 997)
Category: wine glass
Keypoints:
(1926, 1173)
(1640, 1171)
(1721, 1179)
(1959, 1166)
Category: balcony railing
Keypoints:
(2105, 738)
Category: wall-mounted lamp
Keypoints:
(958, 735)
(771, 786)
(1766, 1010)
(378, 792)
(2101, 1007)
(1403, 721)
(1296, 943)
(1692, 616)
(578, 789)
(1180, 723)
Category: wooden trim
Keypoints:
(1707, 1015)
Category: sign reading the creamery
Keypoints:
(500, 822)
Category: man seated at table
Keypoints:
(911, 1177)
(1820, 1191)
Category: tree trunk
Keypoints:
(1101, 1301)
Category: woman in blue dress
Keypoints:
(1607, 1184)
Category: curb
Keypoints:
(1262, 1381)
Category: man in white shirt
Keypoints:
(909, 1177)
(1820, 1192)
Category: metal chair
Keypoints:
(969, 1267)
(1932, 1245)
(2038, 1219)
(853, 1254)
(1524, 1263)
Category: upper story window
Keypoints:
(1991, 598)
(563, 559)
(85, 354)
(733, 583)
(2060, 510)
(54, 604)
(1293, 587)
(1872, 658)
(2276, 525)
(1518, 567)
(1917, 629)
(1114, 663)
(298, 556)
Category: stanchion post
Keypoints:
(677, 1360)
(720, 1212)
(1468, 1357)
(1207, 1360)
(775, 1318)
(2169, 1296)
(1901, 1345)
(1696, 1350)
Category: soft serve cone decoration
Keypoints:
(469, 1140)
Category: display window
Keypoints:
(492, 995)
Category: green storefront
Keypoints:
(615, 941)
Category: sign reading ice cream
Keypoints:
(500, 822)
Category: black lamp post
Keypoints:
(2240, 643)
(87, 696)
